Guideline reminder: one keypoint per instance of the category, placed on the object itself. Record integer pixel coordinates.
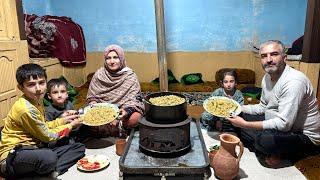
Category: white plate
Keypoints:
(87, 108)
(234, 111)
(100, 159)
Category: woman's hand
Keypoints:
(115, 123)
(92, 102)
(122, 114)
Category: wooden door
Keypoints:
(12, 55)
(11, 20)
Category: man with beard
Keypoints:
(285, 125)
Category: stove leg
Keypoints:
(205, 176)
(120, 175)
(163, 177)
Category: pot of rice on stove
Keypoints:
(165, 108)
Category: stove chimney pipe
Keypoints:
(161, 45)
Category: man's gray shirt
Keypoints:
(289, 104)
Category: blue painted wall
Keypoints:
(37, 7)
(201, 25)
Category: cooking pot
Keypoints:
(165, 114)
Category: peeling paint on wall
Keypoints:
(258, 6)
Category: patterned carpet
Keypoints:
(193, 98)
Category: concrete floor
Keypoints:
(250, 168)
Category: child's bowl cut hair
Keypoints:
(25, 71)
(56, 82)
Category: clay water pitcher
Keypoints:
(226, 162)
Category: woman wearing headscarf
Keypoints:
(117, 84)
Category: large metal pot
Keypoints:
(165, 114)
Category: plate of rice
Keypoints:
(222, 106)
(99, 114)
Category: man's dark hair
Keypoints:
(56, 82)
(25, 71)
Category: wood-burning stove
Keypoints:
(136, 165)
(165, 130)
(164, 140)
(168, 145)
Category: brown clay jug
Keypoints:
(226, 163)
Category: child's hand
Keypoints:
(70, 118)
(76, 123)
(68, 112)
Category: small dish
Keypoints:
(92, 163)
